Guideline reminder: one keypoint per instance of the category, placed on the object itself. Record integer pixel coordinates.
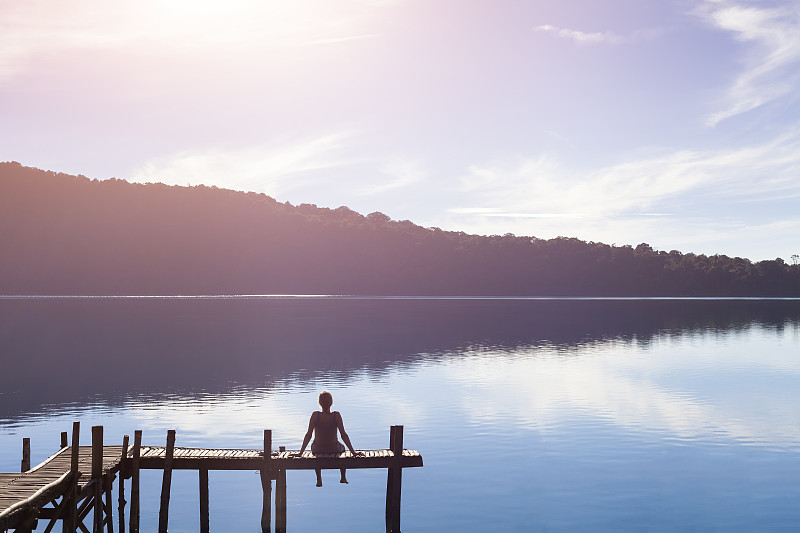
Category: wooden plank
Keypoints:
(6, 478)
(37, 496)
(163, 512)
(384, 459)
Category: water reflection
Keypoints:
(694, 391)
(84, 351)
(587, 416)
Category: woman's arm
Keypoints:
(311, 423)
(345, 438)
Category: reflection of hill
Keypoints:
(56, 351)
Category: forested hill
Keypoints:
(62, 234)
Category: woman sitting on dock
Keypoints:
(324, 424)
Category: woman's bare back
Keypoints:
(326, 426)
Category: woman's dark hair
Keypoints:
(325, 399)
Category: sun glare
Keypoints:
(277, 23)
(201, 9)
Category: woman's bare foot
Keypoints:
(319, 483)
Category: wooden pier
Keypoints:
(77, 480)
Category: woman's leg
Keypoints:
(344, 476)
(319, 476)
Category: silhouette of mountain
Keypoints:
(63, 234)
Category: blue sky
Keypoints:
(672, 122)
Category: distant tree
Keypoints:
(377, 216)
(66, 234)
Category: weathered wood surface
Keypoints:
(152, 457)
(22, 493)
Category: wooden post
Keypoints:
(108, 482)
(137, 447)
(204, 517)
(76, 452)
(28, 523)
(394, 480)
(280, 499)
(163, 511)
(389, 485)
(123, 470)
(64, 440)
(266, 484)
(26, 455)
(83, 511)
(70, 522)
(97, 477)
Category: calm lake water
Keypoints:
(531, 415)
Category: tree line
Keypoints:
(64, 234)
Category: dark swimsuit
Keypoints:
(325, 440)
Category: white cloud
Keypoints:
(703, 201)
(272, 167)
(48, 27)
(769, 70)
(604, 37)
(542, 185)
(536, 215)
(580, 36)
(30, 28)
(474, 210)
(401, 174)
